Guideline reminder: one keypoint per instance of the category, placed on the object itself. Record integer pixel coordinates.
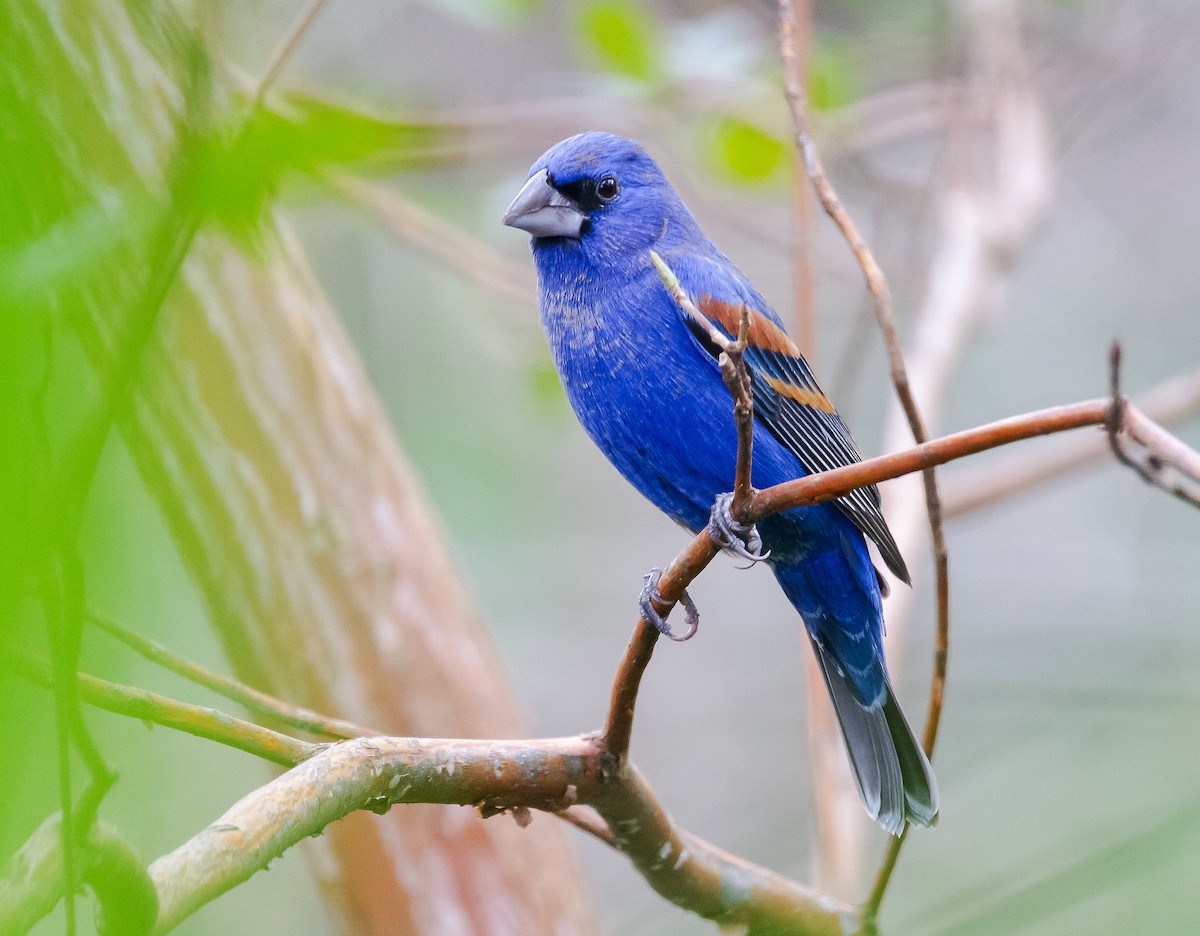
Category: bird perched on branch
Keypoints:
(643, 377)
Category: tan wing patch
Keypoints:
(814, 398)
(763, 332)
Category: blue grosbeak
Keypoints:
(643, 379)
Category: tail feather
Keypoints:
(894, 778)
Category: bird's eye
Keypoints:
(607, 188)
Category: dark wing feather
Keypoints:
(791, 406)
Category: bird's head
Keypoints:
(602, 195)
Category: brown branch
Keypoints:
(814, 489)
(246, 696)
(618, 725)
(795, 40)
(552, 775)
(1162, 450)
(376, 773)
(881, 299)
(736, 375)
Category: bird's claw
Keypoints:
(741, 539)
(650, 594)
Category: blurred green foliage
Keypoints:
(739, 151)
(299, 135)
(620, 36)
(833, 72)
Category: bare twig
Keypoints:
(285, 50)
(448, 243)
(618, 726)
(587, 820)
(246, 696)
(552, 775)
(736, 375)
(1172, 401)
(881, 298)
(196, 720)
(619, 722)
(684, 301)
(1163, 452)
(795, 31)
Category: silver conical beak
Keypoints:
(543, 210)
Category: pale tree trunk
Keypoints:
(257, 433)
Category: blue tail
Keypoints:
(837, 595)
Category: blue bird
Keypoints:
(643, 378)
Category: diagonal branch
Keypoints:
(553, 775)
(881, 300)
(247, 696)
(193, 719)
(1162, 455)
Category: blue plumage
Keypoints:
(645, 384)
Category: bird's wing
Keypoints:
(791, 406)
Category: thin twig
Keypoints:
(618, 726)
(201, 721)
(1172, 401)
(250, 698)
(795, 27)
(586, 819)
(432, 233)
(285, 50)
(736, 375)
(684, 301)
(882, 301)
(1162, 450)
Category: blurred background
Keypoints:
(1026, 175)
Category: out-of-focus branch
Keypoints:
(1173, 401)
(246, 696)
(841, 861)
(286, 48)
(795, 21)
(1165, 461)
(195, 720)
(452, 246)
(32, 881)
(256, 433)
(552, 775)
(999, 171)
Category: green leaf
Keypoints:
(832, 81)
(741, 152)
(544, 385)
(620, 36)
(245, 164)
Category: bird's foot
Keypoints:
(650, 594)
(739, 538)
